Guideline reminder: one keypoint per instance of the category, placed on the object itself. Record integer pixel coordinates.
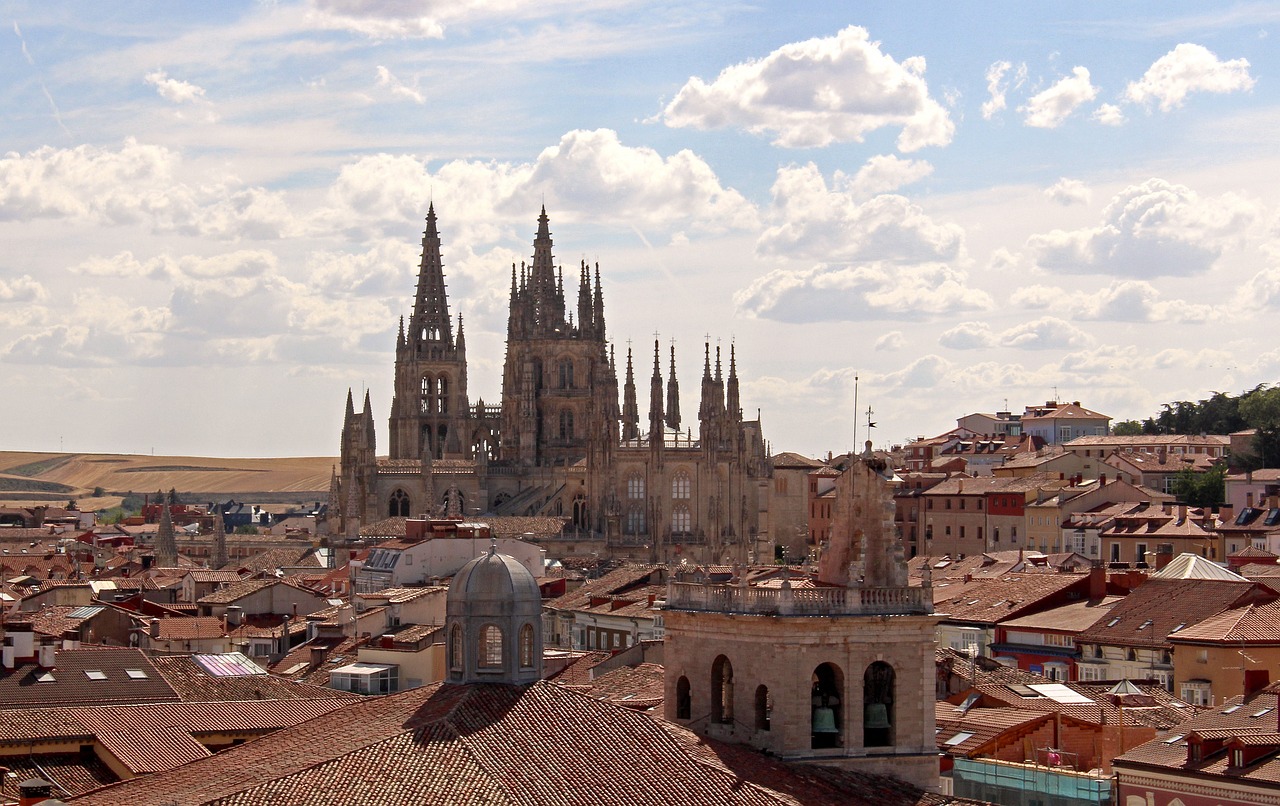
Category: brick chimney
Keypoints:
(1097, 582)
(1164, 555)
(33, 791)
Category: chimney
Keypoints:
(1102, 479)
(317, 658)
(1164, 555)
(235, 614)
(46, 656)
(33, 791)
(154, 629)
(1227, 513)
(1097, 582)
(1182, 513)
(7, 656)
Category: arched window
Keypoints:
(442, 395)
(635, 520)
(684, 702)
(455, 647)
(566, 373)
(721, 690)
(877, 705)
(566, 424)
(827, 697)
(428, 394)
(490, 653)
(680, 486)
(680, 520)
(581, 516)
(526, 646)
(635, 487)
(398, 507)
(764, 707)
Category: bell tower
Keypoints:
(840, 674)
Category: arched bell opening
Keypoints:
(721, 690)
(764, 707)
(827, 720)
(877, 705)
(684, 700)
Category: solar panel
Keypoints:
(88, 611)
(1059, 693)
(229, 664)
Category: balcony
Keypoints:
(799, 601)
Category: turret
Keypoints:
(630, 409)
(673, 395)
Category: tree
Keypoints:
(1127, 428)
(1207, 489)
(246, 529)
(1261, 410)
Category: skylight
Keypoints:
(95, 674)
(1174, 739)
(1113, 622)
(1144, 624)
(1231, 710)
(1263, 712)
(960, 738)
(136, 674)
(46, 677)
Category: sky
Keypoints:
(211, 213)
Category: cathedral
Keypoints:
(559, 442)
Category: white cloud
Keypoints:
(968, 336)
(1122, 301)
(1148, 230)
(1262, 291)
(1047, 333)
(388, 80)
(815, 222)
(1049, 108)
(889, 342)
(135, 184)
(22, 289)
(174, 90)
(1185, 69)
(588, 175)
(817, 92)
(887, 172)
(1108, 115)
(1068, 191)
(997, 87)
(848, 293)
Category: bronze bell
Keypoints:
(875, 715)
(824, 720)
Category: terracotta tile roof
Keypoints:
(1254, 715)
(982, 724)
(1072, 617)
(1254, 623)
(611, 584)
(70, 685)
(206, 575)
(578, 672)
(336, 651)
(294, 556)
(402, 595)
(71, 773)
(992, 601)
(639, 687)
(540, 526)
(155, 737)
(56, 619)
(183, 629)
(495, 744)
(790, 459)
(1159, 606)
(193, 684)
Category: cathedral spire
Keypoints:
(705, 407)
(351, 408)
(732, 402)
(220, 535)
(656, 425)
(367, 414)
(673, 394)
(630, 408)
(430, 321)
(585, 322)
(546, 290)
(597, 313)
(166, 549)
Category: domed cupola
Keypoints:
(493, 620)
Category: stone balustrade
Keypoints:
(787, 601)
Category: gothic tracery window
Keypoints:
(398, 507)
(635, 487)
(566, 373)
(681, 522)
(566, 424)
(681, 487)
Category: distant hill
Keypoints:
(30, 478)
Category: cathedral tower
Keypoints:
(429, 409)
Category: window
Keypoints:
(680, 486)
(684, 705)
(566, 374)
(764, 708)
(491, 646)
(398, 507)
(526, 646)
(566, 424)
(681, 523)
(635, 519)
(635, 487)
(722, 690)
(827, 721)
(455, 648)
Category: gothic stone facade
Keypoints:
(558, 442)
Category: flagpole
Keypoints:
(854, 450)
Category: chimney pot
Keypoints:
(155, 628)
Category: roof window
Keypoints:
(95, 674)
